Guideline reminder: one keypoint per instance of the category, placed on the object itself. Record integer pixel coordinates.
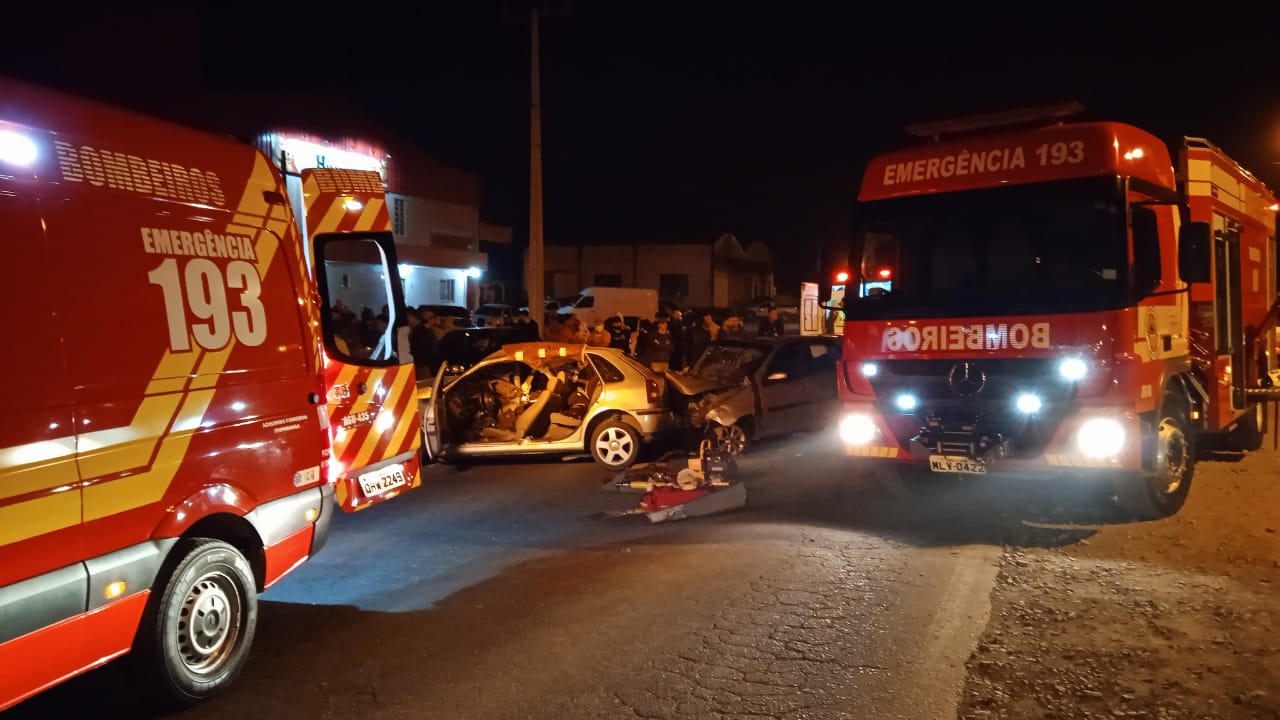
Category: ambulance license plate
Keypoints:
(944, 464)
(383, 479)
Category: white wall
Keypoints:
(367, 285)
(422, 285)
(423, 218)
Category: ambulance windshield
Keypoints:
(1042, 248)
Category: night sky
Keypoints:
(666, 120)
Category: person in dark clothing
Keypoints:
(771, 326)
(526, 328)
(658, 346)
(422, 345)
(647, 329)
(679, 339)
(619, 334)
(702, 331)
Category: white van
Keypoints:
(602, 303)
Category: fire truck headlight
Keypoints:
(1028, 403)
(17, 149)
(869, 369)
(906, 402)
(1100, 438)
(857, 429)
(1073, 369)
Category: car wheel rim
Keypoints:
(732, 439)
(209, 623)
(1173, 455)
(614, 446)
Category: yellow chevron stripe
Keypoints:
(135, 491)
(37, 517)
(391, 401)
(407, 423)
(38, 466)
(369, 215)
(106, 452)
(331, 218)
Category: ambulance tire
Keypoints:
(184, 663)
(1162, 489)
(1249, 433)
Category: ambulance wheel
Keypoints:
(199, 622)
(614, 444)
(1249, 432)
(1161, 489)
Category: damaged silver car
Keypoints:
(543, 397)
(743, 390)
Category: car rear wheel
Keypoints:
(614, 444)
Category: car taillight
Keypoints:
(653, 389)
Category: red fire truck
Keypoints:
(1037, 297)
(186, 397)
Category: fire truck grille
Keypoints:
(973, 411)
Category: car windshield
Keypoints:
(728, 362)
(1047, 247)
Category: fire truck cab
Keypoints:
(1040, 298)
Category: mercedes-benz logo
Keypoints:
(966, 379)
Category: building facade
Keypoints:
(707, 274)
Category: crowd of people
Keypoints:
(672, 340)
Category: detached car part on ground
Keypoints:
(544, 398)
(742, 390)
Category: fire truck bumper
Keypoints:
(1094, 441)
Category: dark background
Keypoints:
(666, 120)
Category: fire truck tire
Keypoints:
(1249, 433)
(199, 623)
(614, 444)
(1162, 490)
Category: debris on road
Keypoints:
(678, 486)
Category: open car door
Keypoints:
(430, 407)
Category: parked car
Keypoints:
(461, 316)
(742, 390)
(541, 397)
(493, 315)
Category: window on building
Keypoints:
(397, 216)
(446, 290)
(608, 280)
(673, 287)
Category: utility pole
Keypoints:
(533, 268)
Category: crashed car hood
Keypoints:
(695, 385)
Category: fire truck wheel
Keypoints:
(614, 444)
(1250, 431)
(1161, 490)
(199, 623)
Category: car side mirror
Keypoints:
(1193, 252)
(776, 377)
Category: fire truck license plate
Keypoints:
(942, 464)
(383, 479)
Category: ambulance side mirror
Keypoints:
(1193, 252)
(1146, 251)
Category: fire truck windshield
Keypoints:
(1041, 248)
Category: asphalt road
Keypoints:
(489, 593)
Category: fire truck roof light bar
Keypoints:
(1020, 116)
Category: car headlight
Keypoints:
(857, 429)
(1100, 438)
